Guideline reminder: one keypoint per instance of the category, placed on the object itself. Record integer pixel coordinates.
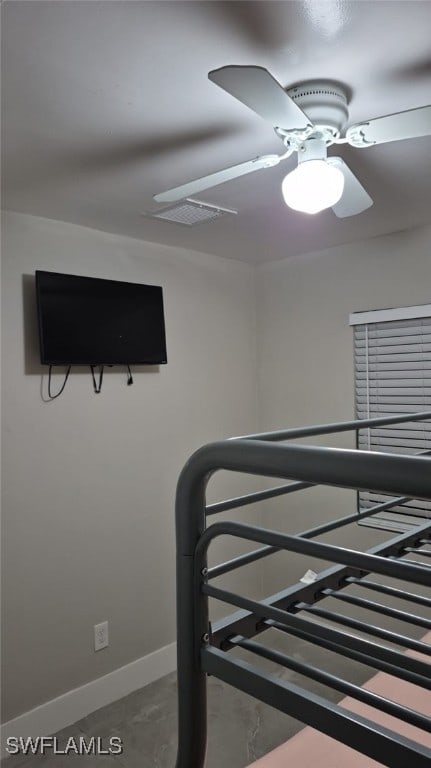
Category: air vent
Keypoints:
(191, 212)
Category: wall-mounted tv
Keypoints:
(90, 321)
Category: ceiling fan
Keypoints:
(308, 118)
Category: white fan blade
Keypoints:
(192, 187)
(259, 90)
(403, 125)
(354, 199)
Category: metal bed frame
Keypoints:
(203, 648)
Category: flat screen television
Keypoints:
(90, 321)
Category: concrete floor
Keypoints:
(240, 729)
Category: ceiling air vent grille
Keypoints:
(191, 212)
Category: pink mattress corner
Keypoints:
(309, 747)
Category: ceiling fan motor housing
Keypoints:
(324, 103)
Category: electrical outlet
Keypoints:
(101, 636)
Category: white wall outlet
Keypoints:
(101, 636)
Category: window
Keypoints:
(392, 351)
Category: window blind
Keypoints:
(393, 376)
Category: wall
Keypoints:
(89, 480)
(305, 354)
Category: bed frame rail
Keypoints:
(303, 610)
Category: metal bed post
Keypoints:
(192, 623)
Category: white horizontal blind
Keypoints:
(393, 376)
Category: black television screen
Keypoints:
(89, 321)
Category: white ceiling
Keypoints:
(107, 103)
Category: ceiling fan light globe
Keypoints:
(313, 186)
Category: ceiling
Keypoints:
(107, 103)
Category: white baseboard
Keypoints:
(64, 710)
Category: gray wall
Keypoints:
(305, 357)
(89, 480)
